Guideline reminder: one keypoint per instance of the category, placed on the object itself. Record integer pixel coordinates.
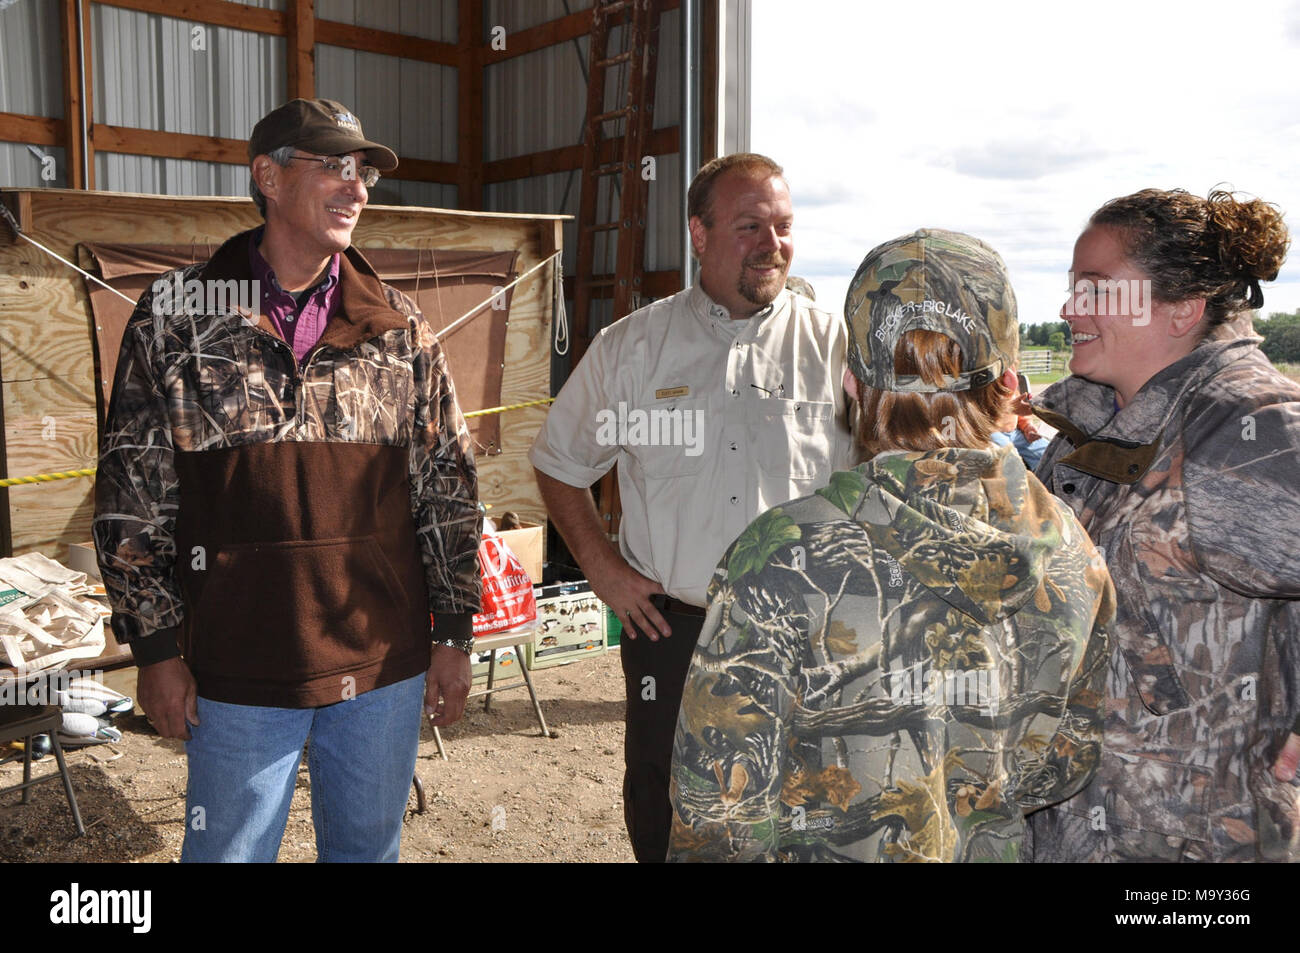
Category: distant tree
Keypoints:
(1056, 340)
(1038, 335)
(1281, 333)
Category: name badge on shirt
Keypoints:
(663, 392)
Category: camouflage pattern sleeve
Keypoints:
(734, 727)
(136, 500)
(1072, 755)
(444, 483)
(1240, 474)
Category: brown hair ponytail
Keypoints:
(1219, 248)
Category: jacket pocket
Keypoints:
(1159, 607)
(1160, 797)
(290, 611)
(794, 437)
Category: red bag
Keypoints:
(508, 600)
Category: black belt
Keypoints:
(675, 606)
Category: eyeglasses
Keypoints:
(345, 167)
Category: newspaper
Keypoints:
(47, 615)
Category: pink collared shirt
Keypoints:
(301, 327)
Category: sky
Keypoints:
(1014, 121)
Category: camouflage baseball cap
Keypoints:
(932, 280)
(322, 126)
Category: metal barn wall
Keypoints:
(147, 75)
(551, 85)
(30, 84)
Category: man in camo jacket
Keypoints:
(285, 493)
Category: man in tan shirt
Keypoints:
(717, 403)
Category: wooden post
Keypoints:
(301, 49)
(469, 82)
(87, 136)
(74, 132)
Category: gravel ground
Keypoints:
(507, 794)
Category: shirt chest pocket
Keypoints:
(793, 437)
(666, 437)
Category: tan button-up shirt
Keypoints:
(711, 420)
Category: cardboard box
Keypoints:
(82, 558)
(570, 625)
(526, 543)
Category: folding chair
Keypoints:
(22, 723)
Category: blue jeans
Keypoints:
(243, 764)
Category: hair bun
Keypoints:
(1251, 235)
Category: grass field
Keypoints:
(1290, 370)
(1038, 381)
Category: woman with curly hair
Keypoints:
(1179, 450)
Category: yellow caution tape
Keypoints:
(90, 471)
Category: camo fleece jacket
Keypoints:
(287, 528)
(894, 669)
(1192, 491)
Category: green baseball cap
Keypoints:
(322, 126)
(932, 280)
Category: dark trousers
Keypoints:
(651, 724)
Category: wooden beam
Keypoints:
(301, 49)
(560, 30)
(88, 72)
(469, 113)
(177, 145)
(709, 78)
(657, 284)
(215, 12)
(661, 142)
(74, 142)
(538, 37)
(352, 37)
(423, 170)
(20, 206)
(38, 130)
(169, 145)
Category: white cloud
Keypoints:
(1014, 121)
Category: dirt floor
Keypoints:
(506, 794)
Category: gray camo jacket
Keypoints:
(1192, 492)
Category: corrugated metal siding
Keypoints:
(147, 75)
(407, 105)
(429, 19)
(20, 168)
(405, 192)
(551, 84)
(30, 59)
(522, 14)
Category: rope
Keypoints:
(4, 212)
(90, 471)
(561, 317)
(505, 407)
(488, 300)
(48, 477)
